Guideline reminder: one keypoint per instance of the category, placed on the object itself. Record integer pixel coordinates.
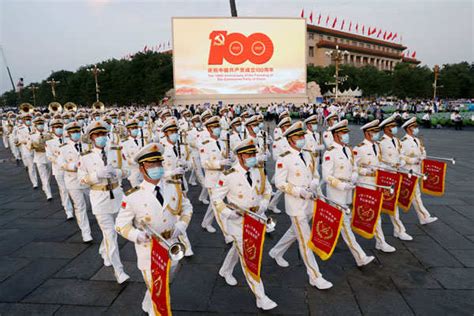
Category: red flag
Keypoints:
(160, 268)
(374, 30)
(334, 22)
(326, 228)
(253, 237)
(379, 33)
(436, 170)
(363, 30)
(384, 35)
(394, 36)
(368, 31)
(389, 36)
(319, 19)
(327, 20)
(350, 26)
(342, 24)
(413, 55)
(311, 17)
(367, 204)
(389, 200)
(302, 13)
(357, 27)
(407, 190)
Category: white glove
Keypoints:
(179, 229)
(225, 162)
(304, 193)
(103, 174)
(142, 237)
(261, 158)
(262, 206)
(348, 186)
(314, 185)
(177, 171)
(72, 166)
(233, 215)
(354, 177)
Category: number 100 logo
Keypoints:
(237, 48)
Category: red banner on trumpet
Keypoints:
(367, 204)
(386, 178)
(327, 222)
(436, 175)
(407, 191)
(253, 238)
(160, 268)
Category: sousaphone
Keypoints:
(70, 107)
(26, 108)
(55, 107)
(98, 106)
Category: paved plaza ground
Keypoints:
(45, 268)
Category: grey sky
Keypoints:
(41, 36)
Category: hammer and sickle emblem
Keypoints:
(405, 193)
(365, 214)
(324, 231)
(219, 40)
(434, 179)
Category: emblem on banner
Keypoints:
(324, 231)
(365, 213)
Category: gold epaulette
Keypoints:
(116, 147)
(286, 153)
(360, 144)
(277, 139)
(228, 171)
(63, 144)
(404, 138)
(331, 148)
(173, 181)
(130, 191)
(86, 152)
(205, 141)
(304, 149)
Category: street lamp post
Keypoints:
(33, 90)
(95, 71)
(53, 84)
(233, 8)
(435, 82)
(337, 56)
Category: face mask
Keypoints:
(155, 173)
(394, 130)
(109, 127)
(134, 132)
(256, 129)
(345, 138)
(198, 125)
(216, 131)
(40, 127)
(114, 121)
(97, 118)
(300, 143)
(81, 122)
(240, 129)
(58, 131)
(173, 137)
(261, 126)
(141, 123)
(101, 141)
(375, 136)
(416, 131)
(313, 127)
(75, 136)
(28, 123)
(250, 162)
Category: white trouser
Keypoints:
(275, 199)
(197, 168)
(420, 209)
(45, 173)
(63, 193)
(109, 249)
(300, 231)
(235, 253)
(5, 141)
(28, 162)
(204, 194)
(78, 197)
(147, 304)
(15, 151)
(209, 216)
(398, 227)
(350, 240)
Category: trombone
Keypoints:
(175, 250)
(453, 160)
(269, 221)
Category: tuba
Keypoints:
(26, 108)
(70, 107)
(98, 106)
(55, 107)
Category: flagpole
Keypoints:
(8, 68)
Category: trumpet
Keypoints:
(70, 107)
(55, 107)
(340, 207)
(418, 174)
(453, 160)
(175, 250)
(269, 221)
(391, 188)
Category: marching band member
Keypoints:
(196, 172)
(101, 169)
(277, 133)
(340, 174)
(236, 132)
(68, 161)
(390, 148)
(313, 141)
(11, 130)
(160, 204)
(52, 153)
(38, 144)
(327, 135)
(213, 158)
(23, 134)
(414, 152)
(244, 188)
(130, 148)
(367, 157)
(297, 177)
